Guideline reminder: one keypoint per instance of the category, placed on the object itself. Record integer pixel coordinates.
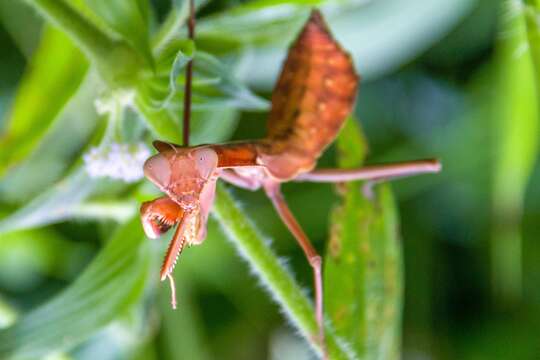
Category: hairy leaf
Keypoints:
(56, 204)
(362, 273)
(275, 278)
(214, 84)
(182, 58)
(57, 67)
(55, 152)
(108, 287)
(354, 23)
(259, 22)
(516, 133)
(129, 18)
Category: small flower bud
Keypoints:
(117, 161)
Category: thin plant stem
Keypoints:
(189, 76)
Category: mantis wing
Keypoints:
(312, 98)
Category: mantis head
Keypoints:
(187, 175)
(182, 173)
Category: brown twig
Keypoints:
(189, 76)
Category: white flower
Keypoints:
(117, 161)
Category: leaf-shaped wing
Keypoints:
(314, 94)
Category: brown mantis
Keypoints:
(314, 95)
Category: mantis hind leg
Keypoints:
(273, 191)
(373, 172)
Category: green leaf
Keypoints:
(57, 67)
(55, 204)
(192, 344)
(160, 122)
(273, 275)
(123, 338)
(55, 152)
(516, 138)
(259, 22)
(8, 314)
(23, 26)
(237, 94)
(27, 255)
(183, 57)
(214, 125)
(362, 274)
(99, 46)
(173, 23)
(354, 23)
(533, 34)
(104, 210)
(129, 19)
(108, 287)
(215, 91)
(214, 84)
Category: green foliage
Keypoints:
(182, 58)
(516, 108)
(129, 58)
(53, 152)
(101, 48)
(129, 19)
(239, 27)
(57, 68)
(56, 204)
(274, 277)
(363, 272)
(109, 286)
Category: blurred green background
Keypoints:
(455, 80)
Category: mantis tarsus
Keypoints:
(314, 95)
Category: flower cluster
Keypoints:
(117, 161)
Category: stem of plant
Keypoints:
(276, 279)
(189, 75)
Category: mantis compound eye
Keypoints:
(206, 161)
(158, 170)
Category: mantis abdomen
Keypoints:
(311, 100)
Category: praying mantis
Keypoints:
(313, 96)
